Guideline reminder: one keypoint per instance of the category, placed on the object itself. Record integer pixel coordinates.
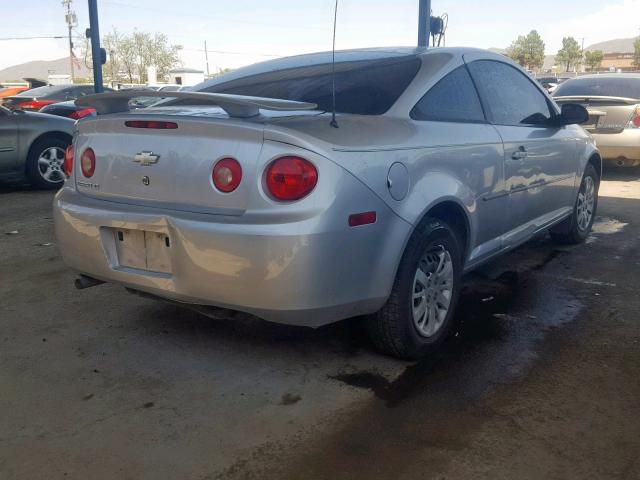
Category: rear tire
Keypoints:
(45, 163)
(419, 312)
(577, 227)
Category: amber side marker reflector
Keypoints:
(365, 218)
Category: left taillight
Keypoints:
(85, 112)
(88, 162)
(68, 161)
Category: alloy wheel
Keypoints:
(586, 202)
(50, 164)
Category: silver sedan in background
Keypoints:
(246, 193)
(32, 146)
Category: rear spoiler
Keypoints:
(586, 98)
(235, 105)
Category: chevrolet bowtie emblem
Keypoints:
(146, 158)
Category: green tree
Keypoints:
(528, 50)
(636, 53)
(570, 55)
(129, 56)
(593, 59)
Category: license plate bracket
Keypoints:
(143, 250)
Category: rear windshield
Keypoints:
(603, 87)
(41, 91)
(368, 87)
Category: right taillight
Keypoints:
(635, 119)
(88, 162)
(291, 178)
(227, 174)
(68, 161)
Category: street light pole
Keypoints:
(206, 57)
(96, 54)
(71, 20)
(424, 17)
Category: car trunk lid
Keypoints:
(606, 114)
(168, 168)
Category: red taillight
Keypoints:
(151, 124)
(88, 163)
(227, 174)
(291, 178)
(68, 161)
(85, 112)
(34, 104)
(635, 120)
(364, 218)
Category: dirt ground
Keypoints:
(541, 380)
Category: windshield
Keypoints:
(602, 87)
(368, 87)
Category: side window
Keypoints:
(508, 95)
(452, 99)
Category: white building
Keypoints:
(53, 79)
(186, 76)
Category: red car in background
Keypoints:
(10, 91)
(36, 98)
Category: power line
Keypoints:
(226, 52)
(32, 38)
(174, 13)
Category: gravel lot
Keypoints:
(542, 379)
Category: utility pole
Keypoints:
(72, 21)
(96, 51)
(424, 22)
(206, 57)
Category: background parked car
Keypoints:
(33, 145)
(68, 109)
(613, 102)
(10, 91)
(37, 98)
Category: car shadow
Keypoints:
(492, 329)
(621, 174)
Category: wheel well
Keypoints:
(65, 137)
(596, 161)
(453, 215)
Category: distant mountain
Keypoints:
(41, 69)
(620, 45)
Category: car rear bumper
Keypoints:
(303, 273)
(620, 148)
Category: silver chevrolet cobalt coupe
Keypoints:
(244, 194)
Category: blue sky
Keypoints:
(259, 29)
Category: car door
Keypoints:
(8, 141)
(540, 158)
(451, 117)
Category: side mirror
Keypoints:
(572, 114)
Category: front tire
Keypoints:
(577, 227)
(45, 163)
(419, 312)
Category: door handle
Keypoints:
(519, 154)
